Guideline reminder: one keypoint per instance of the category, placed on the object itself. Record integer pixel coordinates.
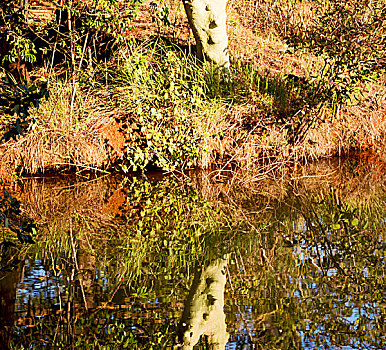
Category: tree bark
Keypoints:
(207, 19)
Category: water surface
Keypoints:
(204, 260)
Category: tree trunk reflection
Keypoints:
(204, 308)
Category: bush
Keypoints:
(351, 37)
(160, 93)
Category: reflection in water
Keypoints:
(10, 275)
(204, 308)
(115, 264)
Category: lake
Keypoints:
(204, 260)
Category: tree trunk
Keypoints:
(207, 19)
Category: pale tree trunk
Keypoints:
(207, 19)
(204, 309)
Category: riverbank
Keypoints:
(152, 105)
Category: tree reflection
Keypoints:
(204, 308)
(10, 275)
(305, 269)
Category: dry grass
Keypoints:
(59, 140)
(256, 30)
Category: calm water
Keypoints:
(203, 260)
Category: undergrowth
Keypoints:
(153, 105)
(161, 97)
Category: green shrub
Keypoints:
(351, 37)
(163, 91)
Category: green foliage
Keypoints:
(16, 101)
(79, 24)
(163, 89)
(109, 16)
(101, 17)
(13, 33)
(160, 14)
(161, 140)
(350, 36)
